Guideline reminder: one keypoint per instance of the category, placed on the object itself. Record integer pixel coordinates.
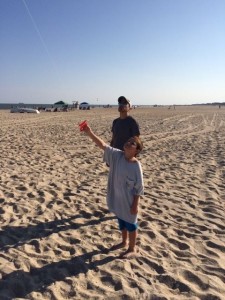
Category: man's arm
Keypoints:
(112, 141)
(135, 128)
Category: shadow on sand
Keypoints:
(19, 283)
(14, 236)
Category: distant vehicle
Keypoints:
(56, 108)
(24, 110)
(84, 105)
(49, 109)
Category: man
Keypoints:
(125, 126)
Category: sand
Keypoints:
(55, 226)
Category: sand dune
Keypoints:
(56, 229)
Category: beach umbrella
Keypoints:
(60, 103)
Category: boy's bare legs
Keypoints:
(124, 237)
(132, 242)
(123, 243)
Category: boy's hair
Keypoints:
(139, 143)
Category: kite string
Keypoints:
(41, 38)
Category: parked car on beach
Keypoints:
(85, 105)
(24, 110)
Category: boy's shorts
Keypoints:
(128, 226)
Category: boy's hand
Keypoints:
(134, 206)
(97, 140)
(87, 129)
(133, 210)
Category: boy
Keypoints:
(125, 185)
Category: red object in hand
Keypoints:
(83, 125)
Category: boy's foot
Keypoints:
(118, 246)
(128, 254)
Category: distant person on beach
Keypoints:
(125, 126)
(125, 186)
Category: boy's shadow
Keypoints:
(14, 236)
(19, 284)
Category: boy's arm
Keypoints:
(134, 206)
(97, 140)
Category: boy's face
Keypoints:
(130, 147)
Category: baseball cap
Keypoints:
(123, 99)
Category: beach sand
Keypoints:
(55, 226)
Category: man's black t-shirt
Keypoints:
(122, 130)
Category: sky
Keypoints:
(160, 52)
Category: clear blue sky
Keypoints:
(151, 51)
